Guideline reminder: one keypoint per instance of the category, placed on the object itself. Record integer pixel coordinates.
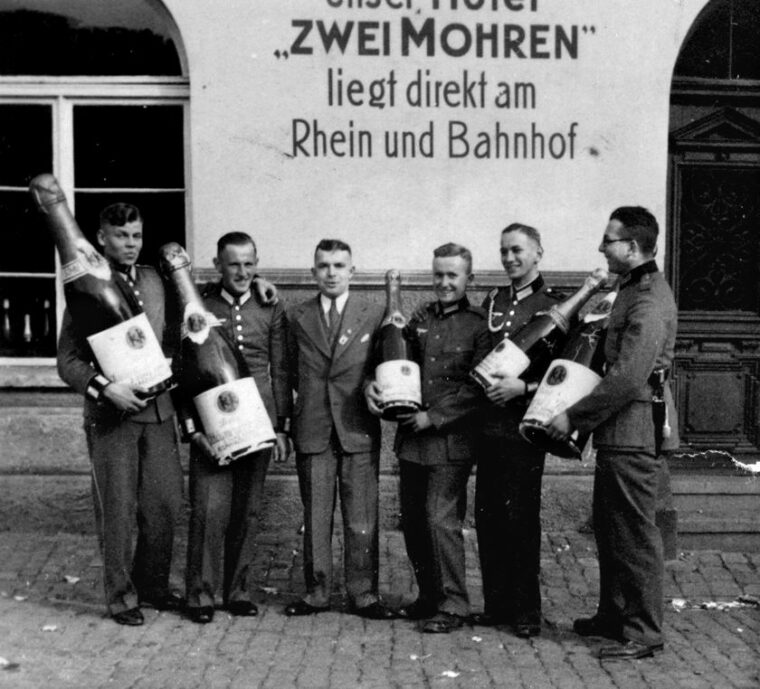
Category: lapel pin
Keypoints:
(343, 339)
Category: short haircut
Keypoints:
(236, 238)
(119, 214)
(640, 225)
(527, 230)
(332, 245)
(450, 249)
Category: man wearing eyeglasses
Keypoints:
(632, 416)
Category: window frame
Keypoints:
(63, 94)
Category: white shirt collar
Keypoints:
(340, 302)
(231, 300)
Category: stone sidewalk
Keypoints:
(53, 632)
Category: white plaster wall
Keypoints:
(394, 212)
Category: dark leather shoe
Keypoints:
(201, 615)
(594, 626)
(419, 610)
(486, 619)
(131, 618)
(301, 607)
(242, 608)
(442, 623)
(629, 650)
(375, 611)
(526, 631)
(171, 600)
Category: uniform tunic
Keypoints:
(435, 464)
(226, 501)
(137, 478)
(508, 486)
(641, 337)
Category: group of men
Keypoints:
(322, 354)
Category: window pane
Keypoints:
(26, 147)
(27, 244)
(163, 217)
(27, 317)
(128, 146)
(33, 42)
(706, 52)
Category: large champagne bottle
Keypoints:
(532, 347)
(569, 378)
(397, 376)
(102, 306)
(212, 372)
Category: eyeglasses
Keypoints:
(606, 241)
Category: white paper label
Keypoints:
(506, 359)
(130, 353)
(562, 386)
(235, 419)
(399, 381)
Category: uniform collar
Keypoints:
(527, 290)
(441, 311)
(231, 300)
(634, 276)
(127, 272)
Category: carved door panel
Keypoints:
(715, 260)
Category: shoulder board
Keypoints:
(554, 294)
(645, 284)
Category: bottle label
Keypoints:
(564, 383)
(88, 261)
(234, 419)
(399, 382)
(197, 323)
(506, 359)
(130, 353)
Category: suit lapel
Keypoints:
(312, 323)
(350, 325)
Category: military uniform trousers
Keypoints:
(629, 543)
(433, 505)
(226, 511)
(508, 523)
(135, 470)
(356, 476)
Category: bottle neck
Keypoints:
(185, 288)
(573, 304)
(393, 313)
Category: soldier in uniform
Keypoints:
(632, 416)
(508, 487)
(132, 442)
(435, 446)
(226, 501)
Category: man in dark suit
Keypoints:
(335, 436)
(508, 488)
(132, 442)
(226, 501)
(633, 419)
(435, 445)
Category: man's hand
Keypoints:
(265, 291)
(559, 428)
(282, 448)
(201, 442)
(124, 397)
(419, 421)
(504, 389)
(373, 397)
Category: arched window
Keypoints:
(96, 93)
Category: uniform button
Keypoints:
(511, 313)
(437, 337)
(141, 304)
(432, 358)
(240, 337)
(237, 308)
(239, 317)
(240, 327)
(509, 322)
(137, 291)
(240, 347)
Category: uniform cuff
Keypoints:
(95, 387)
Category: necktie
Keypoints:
(333, 318)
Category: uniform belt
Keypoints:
(657, 380)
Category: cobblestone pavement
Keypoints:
(53, 632)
